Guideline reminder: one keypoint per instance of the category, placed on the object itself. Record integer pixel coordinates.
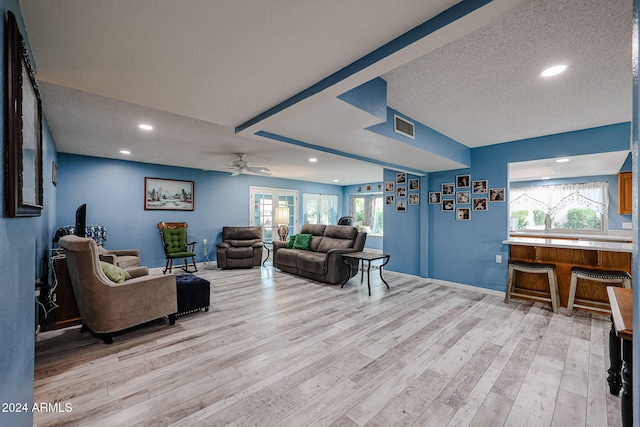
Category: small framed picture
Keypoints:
(368, 187)
(463, 214)
(479, 187)
(379, 187)
(389, 186)
(414, 199)
(480, 204)
(496, 194)
(401, 191)
(401, 206)
(463, 197)
(390, 200)
(434, 197)
(463, 181)
(401, 178)
(414, 184)
(448, 189)
(447, 205)
(358, 189)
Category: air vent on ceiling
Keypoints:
(403, 127)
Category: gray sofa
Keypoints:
(323, 262)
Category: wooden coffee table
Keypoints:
(360, 258)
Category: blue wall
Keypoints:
(114, 193)
(24, 244)
(464, 251)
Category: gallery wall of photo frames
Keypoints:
(466, 195)
(404, 192)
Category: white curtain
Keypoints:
(320, 208)
(553, 198)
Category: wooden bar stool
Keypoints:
(621, 278)
(535, 268)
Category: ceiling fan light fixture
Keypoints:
(554, 71)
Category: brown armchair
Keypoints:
(107, 307)
(241, 247)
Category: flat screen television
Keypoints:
(81, 221)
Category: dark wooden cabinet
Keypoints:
(67, 313)
(625, 197)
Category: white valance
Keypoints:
(554, 198)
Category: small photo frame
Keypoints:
(448, 205)
(414, 184)
(390, 200)
(448, 189)
(463, 181)
(379, 187)
(463, 197)
(401, 206)
(463, 214)
(434, 197)
(496, 194)
(401, 178)
(480, 204)
(368, 187)
(389, 186)
(358, 189)
(401, 191)
(480, 186)
(414, 199)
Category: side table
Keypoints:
(269, 247)
(360, 258)
(621, 334)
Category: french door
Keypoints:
(263, 204)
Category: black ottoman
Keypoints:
(193, 294)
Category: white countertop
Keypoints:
(550, 235)
(570, 244)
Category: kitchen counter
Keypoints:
(627, 237)
(565, 254)
(609, 246)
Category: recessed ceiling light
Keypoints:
(336, 180)
(313, 160)
(125, 152)
(565, 160)
(553, 71)
(145, 126)
(546, 177)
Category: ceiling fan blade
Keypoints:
(236, 172)
(258, 169)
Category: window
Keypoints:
(320, 208)
(367, 211)
(567, 207)
(263, 204)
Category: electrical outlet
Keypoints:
(499, 259)
(627, 225)
(204, 242)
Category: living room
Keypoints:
(423, 241)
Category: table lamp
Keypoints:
(282, 219)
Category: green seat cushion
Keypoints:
(181, 254)
(291, 241)
(114, 273)
(303, 241)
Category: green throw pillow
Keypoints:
(113, 272)
(291, 241)
(303, 241)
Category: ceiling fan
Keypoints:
(241, 166)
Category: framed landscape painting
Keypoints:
(168, 194)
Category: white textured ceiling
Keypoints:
(196, 69)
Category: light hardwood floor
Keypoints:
(279, 350)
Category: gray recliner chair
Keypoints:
(241, 247)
